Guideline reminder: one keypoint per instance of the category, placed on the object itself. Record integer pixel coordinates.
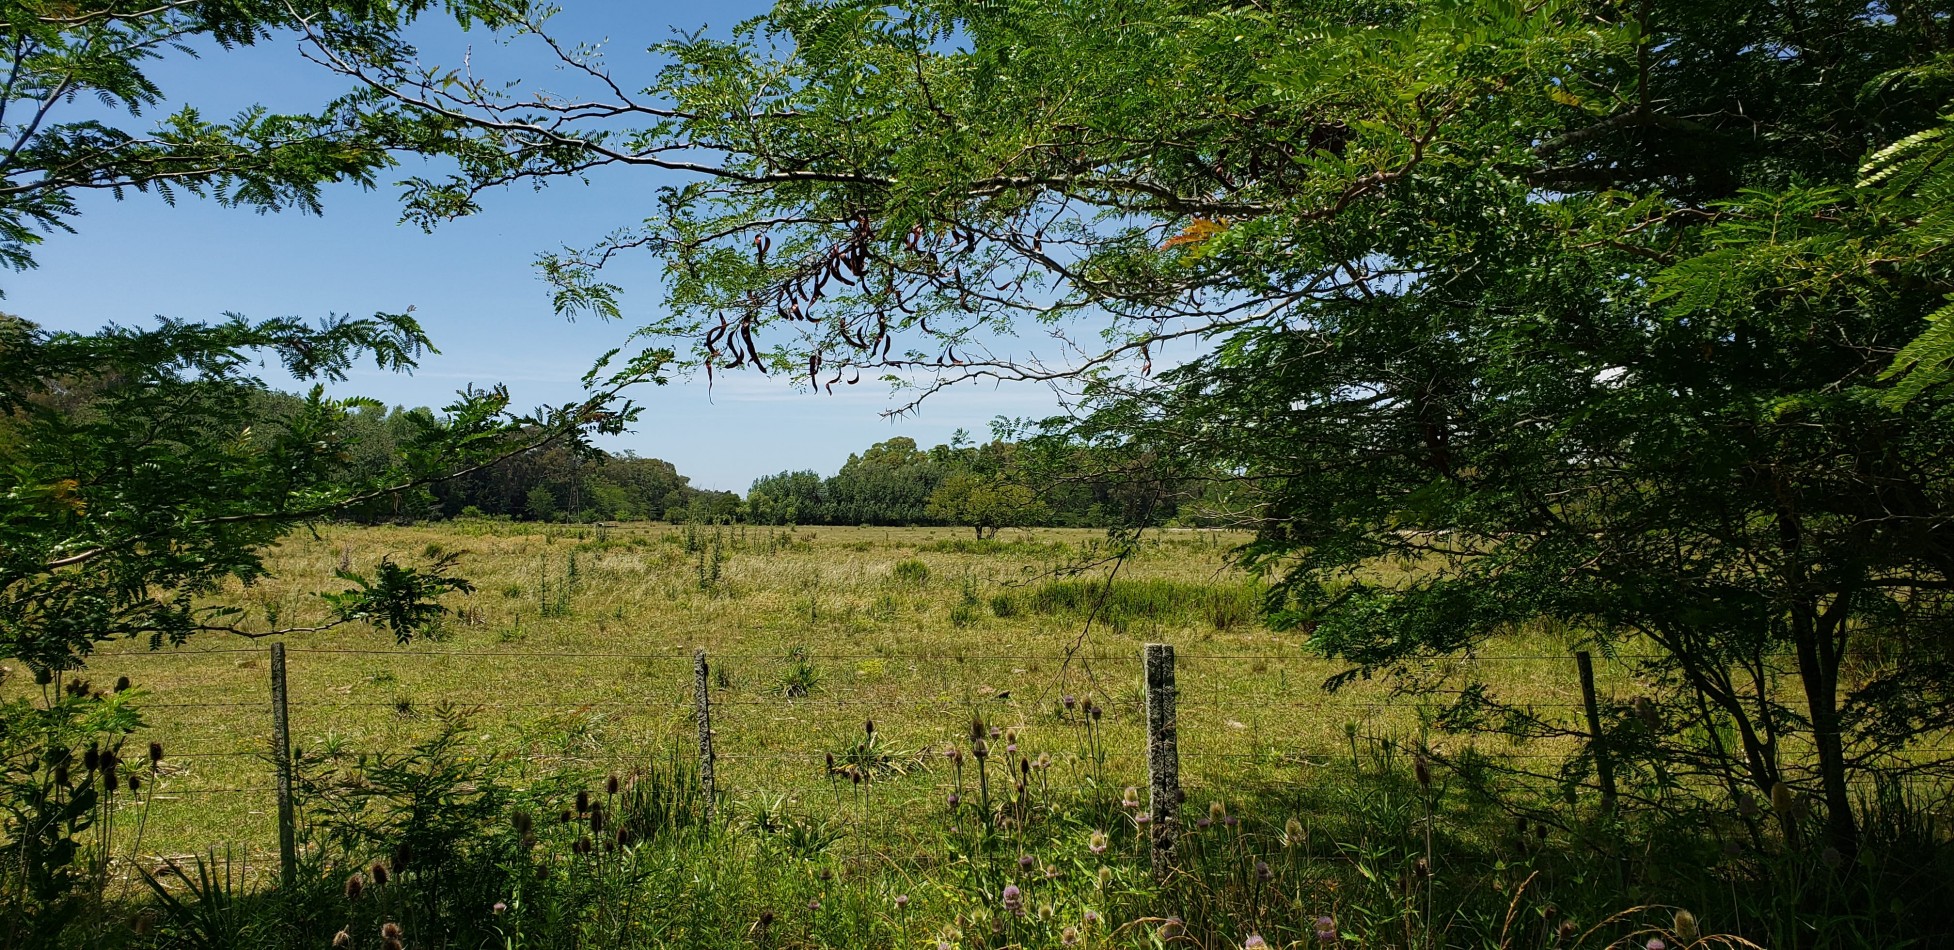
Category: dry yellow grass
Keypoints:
(597, 674)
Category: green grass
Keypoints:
(573, 661)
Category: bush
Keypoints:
(911, 572)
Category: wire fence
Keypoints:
(777, 717)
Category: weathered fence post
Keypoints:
(702, 707)
(281, 754)
(1604, 768)
(1163, 756)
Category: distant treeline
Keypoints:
(895, 482)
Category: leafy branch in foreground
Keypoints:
(140, 473)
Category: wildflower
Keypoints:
(902, 901)
(610, 785)
(379, 873)
(813, 905)
(583, 802)
(943, 945)
(145, 922)
(1656, 943)
(1089, 918)
(1782, 801)
(1685, 926)
(1069, 936)
(955, 755)
(121, 683)
(499, 909)
(1255, 942)
(522, 822)
(1746, 806)
(135, 784)
(1326, 929)
(1098, 843)
(1172, 927)
(1566, 929)
(1831, 858)
(1025, 862)
(1230, 820)
(355, 886)
(1202, 824)
(1014, 899)
(1046, 911)
(1131, 799)
(955, 799)
(1216, 811)
(869, 727)
(1293, 835)
(342, 940)
(1095, 713)
(390, 938)
(1421, 868)
(1142, 819)
(155, 752)
(980, 750)
(1105, 878)
(1421, 770)
(1263, 872)
(1051, 872)
(1070, 701)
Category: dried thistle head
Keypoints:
(1783, 800)
(1685, 927)
(155, 752)
(355, 886)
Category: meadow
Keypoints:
(853, 670)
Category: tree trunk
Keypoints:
(1818, 671)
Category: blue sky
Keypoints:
(472, 282)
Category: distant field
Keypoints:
(575, 652)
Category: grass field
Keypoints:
(575, 652)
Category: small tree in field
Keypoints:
(984, 502)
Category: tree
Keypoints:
(984, 503)
(1579, 310)
(139, 469)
